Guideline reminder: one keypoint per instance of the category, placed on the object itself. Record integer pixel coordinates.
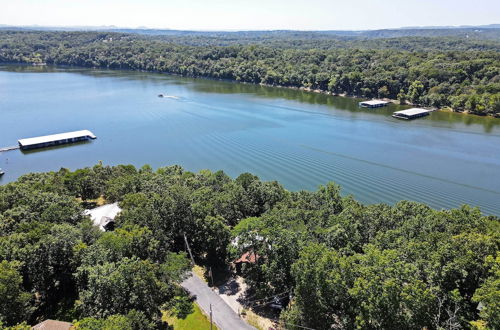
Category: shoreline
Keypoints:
(301, 88)
(319, 91)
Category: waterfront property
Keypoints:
(104, 216)
(53, 325)
(55, 139)
(411, 113)
(373, 104)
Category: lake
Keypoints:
(298, 138)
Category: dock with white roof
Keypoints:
(55, 139)
(411, 113)
(373, 104)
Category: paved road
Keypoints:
(224, 317)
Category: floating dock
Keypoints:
(55, 139)
(373, 104)
(411, 113)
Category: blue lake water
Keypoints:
(300, 139)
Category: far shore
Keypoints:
(305, 89)
(320, 91)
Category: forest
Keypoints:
(447, 71)
(339, 263)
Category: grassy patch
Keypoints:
(100, 201)
(200, 272)
(257, 321)
(195, 320)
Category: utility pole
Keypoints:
(210, 316)
(211, 276)
(188, 248)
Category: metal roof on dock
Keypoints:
(373, 102)
(411, 112)
(56, 137)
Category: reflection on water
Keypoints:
(299, 138)
(57, 147)
(444, 118)
(439, 118)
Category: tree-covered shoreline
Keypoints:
(341, 264)
(435, 72)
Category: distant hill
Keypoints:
(482, 32)
(488, 26)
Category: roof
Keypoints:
(411, 112)
(55, 137)
(373, 102)
(52, 325)
(104, 223)
(249, 257)
(102, 215)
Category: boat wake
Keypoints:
(168, 96)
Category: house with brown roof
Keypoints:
(249, 257)
(53, 325)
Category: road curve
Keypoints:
(224, 317)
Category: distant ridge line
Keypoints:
(112, 28)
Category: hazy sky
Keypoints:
(250, 14)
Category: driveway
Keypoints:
(224, 317)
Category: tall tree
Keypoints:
(14, 301)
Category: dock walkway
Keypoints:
(9, 148)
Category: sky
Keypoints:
(250, 14)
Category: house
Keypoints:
(104, 216)
(247, 258)
(52, 325)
